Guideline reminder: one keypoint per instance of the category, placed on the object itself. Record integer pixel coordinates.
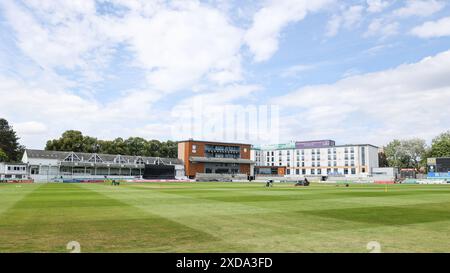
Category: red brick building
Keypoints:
(215, 157)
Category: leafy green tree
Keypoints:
(395, 155)
(90, 145)
(3, 156)
(406, 153)
(382, 160)
(440, 146)
(136, 146)
(153, 148)
(9, 142)
(119, 146)
(169, 149)
(416, 150)
(70, 141)
(76, 142)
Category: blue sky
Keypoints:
(361, 71)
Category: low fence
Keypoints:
(17, 181)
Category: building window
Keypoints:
(313, 171)
(319, 171)
(363, 170)
(363, 156)
(328, 171)
(353, 171)
(345, 171)
(288, 171)
(303, 171)
(34, 170)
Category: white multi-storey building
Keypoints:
(322, 157)
(13, 171)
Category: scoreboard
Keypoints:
(159, 172)
(439, 165)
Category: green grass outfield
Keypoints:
(223, 217)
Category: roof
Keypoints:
(294, 148)
(220, 160)
(214, 142)
(58, 155)
(12, 163)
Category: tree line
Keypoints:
(413, 153)
(75, 141)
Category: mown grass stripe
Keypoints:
(99, 223)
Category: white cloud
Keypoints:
(421, 8)
(333, 26)
(375, 6)
(222, 96)
(30, 128)
(53, 111)
(268, 22)
(431, 29)
(382, 28)
(349, 18)
(57, 35)
(411, 99)
(178, 48)
(295, 70)
(177, 44)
